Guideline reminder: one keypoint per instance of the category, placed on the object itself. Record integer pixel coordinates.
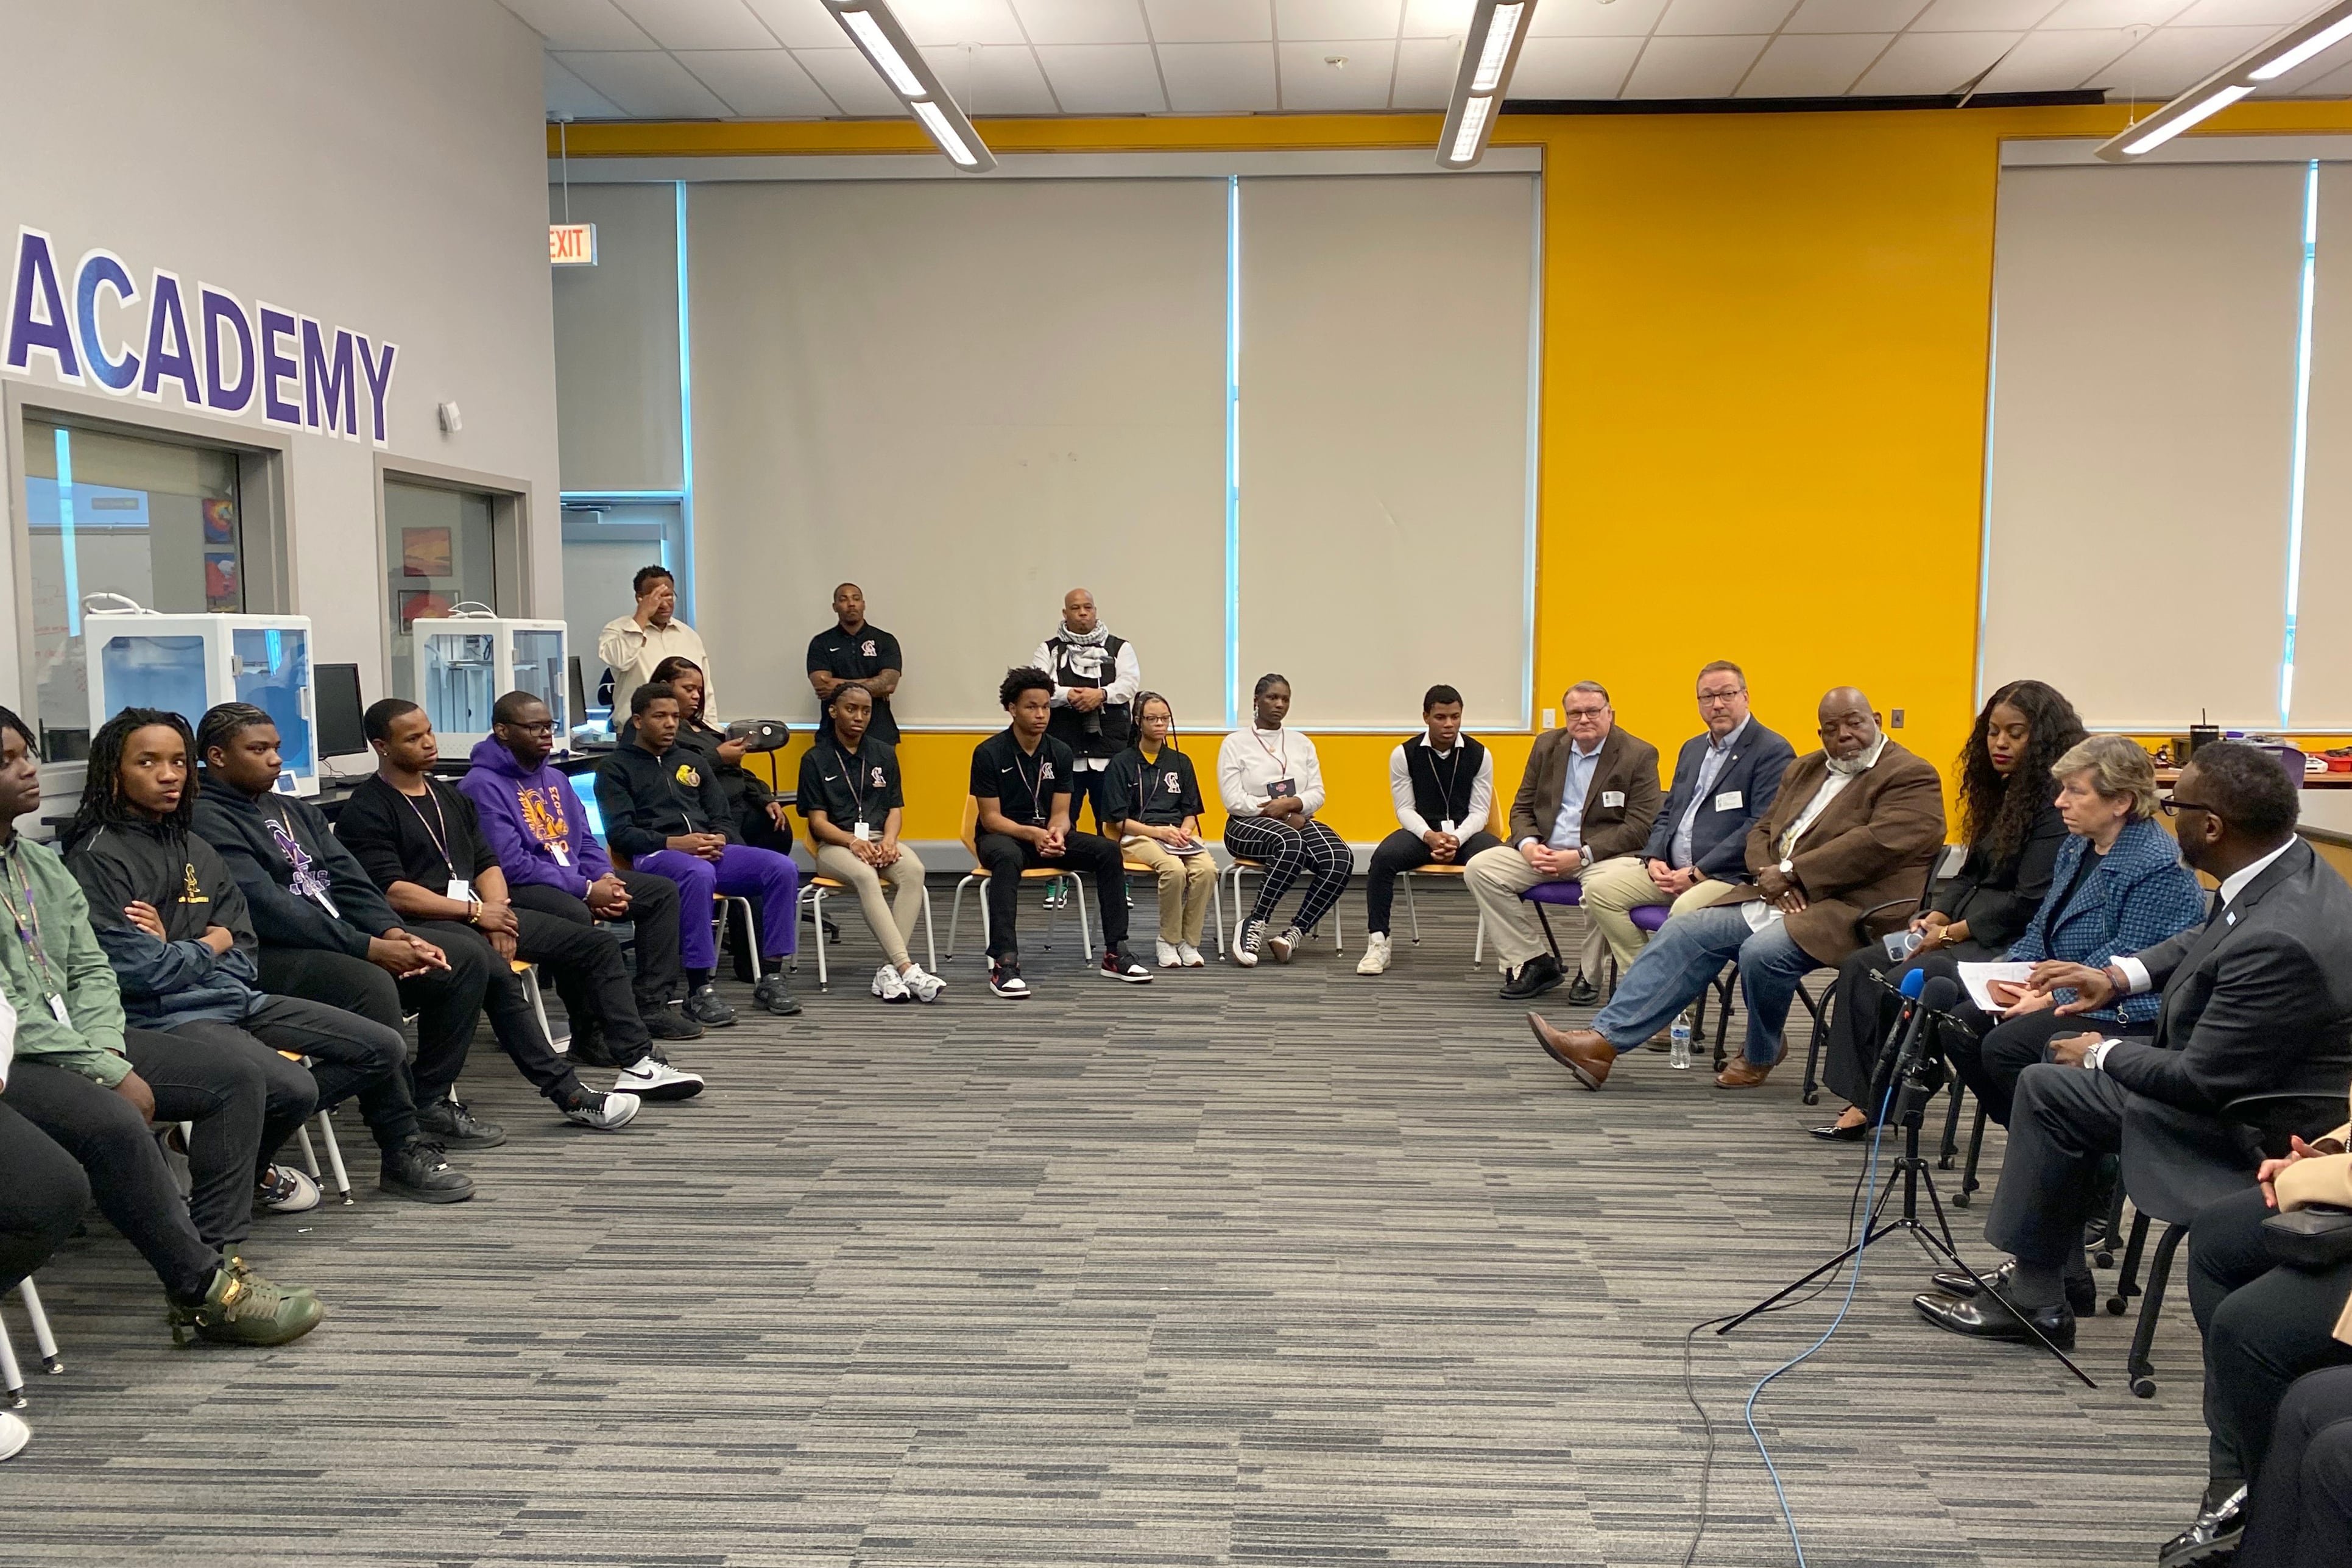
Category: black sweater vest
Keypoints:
(1441, 791)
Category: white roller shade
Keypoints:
(2323, 634)
(2142, 445)
(969, 398)
(1385, 347)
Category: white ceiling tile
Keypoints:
(1812, 65)
(1711, 18)
(1425, 71)
(568, 96)
(800, 23)
(1307, 82)
(1440, 18)
(1585, 68)
(850, 80)
(1982, 15)
(2336, 83)
(929, 22)
(1692, 68)
(1853, 16)
(992, 79)
(1232, 79)
(2232, 13)
(2172, 59)
(1102, 79)
(1211, 22)
(647, 84)
(2056, 60)
(1081, 22)
(1596, 18)
(756, 82)
(1926, 63)
(580, 23)
(1314, 20)
(699, 24)
(2112, 13)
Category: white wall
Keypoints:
(378, 166)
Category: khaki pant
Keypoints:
(892, 920)
(1185, 883)
(1615, 889)
(1497, 878)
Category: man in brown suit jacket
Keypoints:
(1839, 859)
(1588, 795)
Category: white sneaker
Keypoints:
(925, 985)
(285, 1190)
(1283, 945)
(1189, 956)
(889, 986)
(1247, 941)
(606, 1112)
(1168, 955)
(14, 1435)
(654, 1079)
(1376, 955)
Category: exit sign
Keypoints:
(572, 243)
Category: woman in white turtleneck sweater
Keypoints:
(1273, 786)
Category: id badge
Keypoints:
(1281, 787)
(1729, 800)
(1611, 798)
(57, 1007)
(864, 834)
(1446, 828)
(562, 855)
(460, 890)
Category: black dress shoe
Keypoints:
(1840, 1132)
(2082, 1294)
(1990, 1318)
(1582, 992)
(2212, 1539)
(1536, 976)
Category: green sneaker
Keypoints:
(244, 1271)
(241, 1308)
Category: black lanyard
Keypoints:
(850, 765)
(1454, 769)
(1036, 803)
(440, 839)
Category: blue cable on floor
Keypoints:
(1854, 1283)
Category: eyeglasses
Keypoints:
(1586, 712)
(2173, 805)
(1705, 697)
(546, 729)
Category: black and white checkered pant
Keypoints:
(1285, 851)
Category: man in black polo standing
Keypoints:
(1096, 678)
(852, 653)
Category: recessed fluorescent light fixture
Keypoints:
(1488, 51)
(879, 36)
(2230, 83)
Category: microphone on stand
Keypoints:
(1935, 1001)
(1882, 1070)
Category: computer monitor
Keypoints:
(340, 733)
(578, 691)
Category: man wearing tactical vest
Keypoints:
(1096, 678)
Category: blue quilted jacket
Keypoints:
(2136, 897)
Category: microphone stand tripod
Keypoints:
(1913, 1070)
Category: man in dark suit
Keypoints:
(1588, 797)
(1838, 860)
(2257, 1000)
(1725, 781)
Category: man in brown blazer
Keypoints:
(1839, 859)
(1588, 795)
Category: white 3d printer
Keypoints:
(468, 659)
(187, 663)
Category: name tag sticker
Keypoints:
(460, 890)
(1609, 798)
(1729, 800)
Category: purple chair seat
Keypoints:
(1649, 917)
(1555, 893)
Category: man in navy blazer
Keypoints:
(1725, 781)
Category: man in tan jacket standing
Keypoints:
(1588, 795)
(1839, 859)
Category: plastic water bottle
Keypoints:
(1678, 1042)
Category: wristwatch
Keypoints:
(1788, 867)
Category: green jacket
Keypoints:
(93, 1044)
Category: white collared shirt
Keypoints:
(2136, 974)
(1568, 828)
(1761, 913)
(1482, 791)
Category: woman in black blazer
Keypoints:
(2008, 811)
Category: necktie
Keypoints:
(2215, 912)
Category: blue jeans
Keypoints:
(1690, 950)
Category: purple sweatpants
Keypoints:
(740, 871)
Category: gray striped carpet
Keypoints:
(1280, 1267)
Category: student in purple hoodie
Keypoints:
(536, 827)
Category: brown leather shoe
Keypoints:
(1581, 1052)
(1742, 1074)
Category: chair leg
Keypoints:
(335, 1157)
(2103, 1254)
(309, 1155)
(12, 1381)
(1217, 903)
(539, 1009)
(40, 1322)
(1968, 1181)
(955, 915)
(1086, 932)
(2128, 1281)
(2142, 1370)
(1550, 939)
(1950, 1151)
(930, 932)
(1812, 1089)
(1412, 912)
(1723, 1020)
(816, 908)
